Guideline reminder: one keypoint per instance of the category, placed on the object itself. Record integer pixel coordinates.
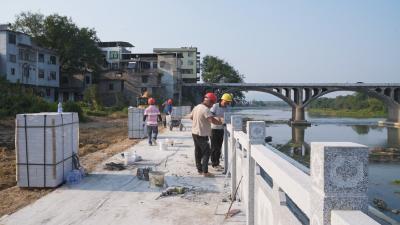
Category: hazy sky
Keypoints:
(267, 41)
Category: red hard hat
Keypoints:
(151, 101)
(169, 101)
(211, 96)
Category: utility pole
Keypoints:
(179, 80)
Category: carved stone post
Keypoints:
(237, 123)
(256, 135)
(339, 179)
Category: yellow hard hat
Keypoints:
(227, 97)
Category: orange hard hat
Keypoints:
(151, 101)
(169, 101)
(211, 96)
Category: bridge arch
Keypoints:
(299, 96)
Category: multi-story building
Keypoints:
(115, 54)
(22, 61)
(127, 75)
(73, 87)
(177, 66)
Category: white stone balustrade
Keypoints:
(276, 191)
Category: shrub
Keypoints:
(15, 98)
(73, 107)
(91, 98)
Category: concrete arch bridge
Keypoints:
(300, 95)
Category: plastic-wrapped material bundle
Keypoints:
(45, 143)
(74, 177)
(136, 125)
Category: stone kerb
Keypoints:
(339, 179)
(256, 132)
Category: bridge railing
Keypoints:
(275, 190)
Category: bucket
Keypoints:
(163, 145)
(130, 158)
(169, 142)
(156, 179)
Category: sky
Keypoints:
(266, 41)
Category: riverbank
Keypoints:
(364, 113)
(99, 139)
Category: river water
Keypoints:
(384, 167)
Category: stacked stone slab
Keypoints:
(45, 144)
(136, 125)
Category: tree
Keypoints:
(77, 47)
(216, 70)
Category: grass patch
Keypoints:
(363, 113)
(396, 182)
(112, 112)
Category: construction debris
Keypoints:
(114, 166)
(232, 213)
(178, 190)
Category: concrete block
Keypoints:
(339, 168)
(45, 143)
(256, 132)
(136, 125)
(339, 179)
(227, 117)
(237, 122)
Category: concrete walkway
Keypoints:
(106, 197)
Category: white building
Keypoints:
(188, 62)
(116, 54)
(177, 66)
(22, 61)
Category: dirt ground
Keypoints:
(99, 139)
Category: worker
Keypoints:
(201, 130)
(152, 116)
(217, 131)
(167, 110)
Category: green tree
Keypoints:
(216, 70)
(77, 47)
(91, 97)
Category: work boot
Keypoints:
(208, 174)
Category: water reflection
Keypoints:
(393, 137)
(361, 129)
(298, 147)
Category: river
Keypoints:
(383, 167)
